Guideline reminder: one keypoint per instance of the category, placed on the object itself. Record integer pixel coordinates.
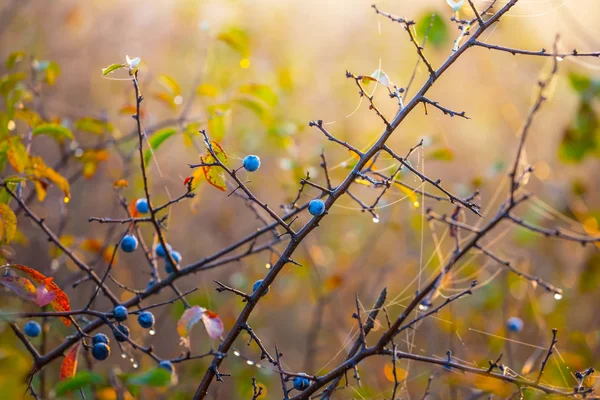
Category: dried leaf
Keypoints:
(213, 324)
(184, 326)
(215, 175)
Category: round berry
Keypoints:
(121, 333)
(316, 207)
(251, 163)
(32, 329)
(166, 364)
(100, 338)
(129, 244)
(514, 324)
(101, 351)
(120, 313)
(142, 206)
(300, 382)
(257, 284)
(160, 251)
(146, 319)
(176, 257)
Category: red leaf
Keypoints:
(69, 364)
(60, 302)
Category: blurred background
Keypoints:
(196, 58)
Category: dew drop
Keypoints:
(123, 355)
(559, 59)
(178, 100)
(236, 353)
(268, 265)
(416, 204)
(249, 362)
(375, 220)
(423, 307)
(135, 365)
(132, 360)
(558, 296)
(11, 125)
(152, 332)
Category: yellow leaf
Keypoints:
(8, 224)
(170, 84)
(17, 155)
(388, 371)
(39, 170)
(166, 98)
(206, 89)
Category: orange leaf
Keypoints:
(121, 183)
(214, 175)
(69, 364)
(133, 209)
(61, 301)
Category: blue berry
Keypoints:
(120, 313)
(176, 257)
(101, 351)
(129, 244)
(257, 284)
(142, 206)
(160, 251)
(514, 324)
(146, 319)
(32, 329)
(166, 364)
(100, 338)
(121, 333)
(251, 163)
(316, 207)
(300, 383)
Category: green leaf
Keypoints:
(582, 136)
(437, 35)
(261, 92)
(80, 380)
(579, 82)
(584, 85)
(237, 39)
(443, 154)
(156, 377)
(52, 72)
(217, 120)
(93, 125)
(112, 68)
(14, 58)
(8, 224)
(5, 197)
(170, 84)
(256, 107)
(58, 132)
(156, 140)
(9, 82)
